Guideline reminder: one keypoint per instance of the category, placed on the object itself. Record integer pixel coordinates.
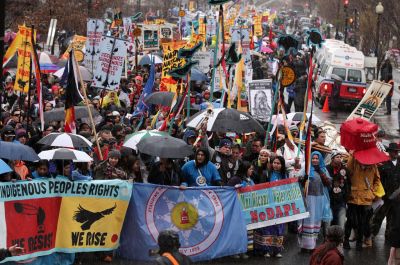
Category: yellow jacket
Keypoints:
(365, 183)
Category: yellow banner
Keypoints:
(257, 26)
(202, 27)
(93, 223)
(78, 44)
(24, 53)
(170, 61)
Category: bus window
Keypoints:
(354, 75)
(341, 72)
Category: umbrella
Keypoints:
(147, 59)
(48, 68)
(133, 139)
(162, 98)
(266, 49)
(17, 151)
(69, 140)
(58, 114)
(165, 147)
(4, 168)
(298, 116)
(86, 75)
(45, 58)
(226, 120)
(197, 75)
(65, 154)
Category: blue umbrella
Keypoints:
(16, 151)
(4, 168)
(197, 75)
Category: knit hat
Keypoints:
(225, 142)
(20, 133)
(335, 153)
(114, 154)
(293, 128)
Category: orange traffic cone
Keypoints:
(326, 105)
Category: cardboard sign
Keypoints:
(272, 203)
(95, 30)
(111, 61)
(260, 99)
(170, 61)
(204, 59)
(372, 100)
(78, 43)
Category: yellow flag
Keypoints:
(239, 82)
(24, 52)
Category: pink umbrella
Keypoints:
(266, 49)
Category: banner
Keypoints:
(208, 221)
(111, 61)
(272, 203)
(257, 26)
(78, 44)
(372, 100)
(204, 59)
(95, 30)
(170, 61)
(260, 99)
(57, 215)
(24, 52)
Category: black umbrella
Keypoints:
(17, 151)
(69, 140)
(165, 147)
(162, 98)
(58, 114)
(226, 120)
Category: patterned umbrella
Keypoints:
(69, 140)
(133, 139)
(65, 154)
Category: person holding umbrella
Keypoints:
(109, 168)
(200, 171)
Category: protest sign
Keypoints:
(208, 221)
(95, 30)
(24, 52)
(111, 61)
(170, 61)
(78, 44)
(272, 203)
(150, 37)
(371, 101)
(204, 59)
(257, 26)
(57, 215)
(127, 21)
(166, 32)
(260, 98)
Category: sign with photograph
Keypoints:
(150, 36)
(260, 98)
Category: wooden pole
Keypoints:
(88, 107)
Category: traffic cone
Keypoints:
(326, 105)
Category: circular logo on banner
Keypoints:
(288, 76)
(184, 216)
(198, 219)
(181, 13)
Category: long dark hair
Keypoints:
(283, 167)
(243, 167)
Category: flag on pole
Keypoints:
(72, 95)
(147, 90)
(36, 71)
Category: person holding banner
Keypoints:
(317, 200)
(269, 240)
(11, 251)
(262, 166)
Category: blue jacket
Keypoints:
(192, 177)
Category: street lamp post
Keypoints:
(346, 22)
(337, 20)
(379, 11)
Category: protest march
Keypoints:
(206, 132)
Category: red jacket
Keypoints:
(332, 257)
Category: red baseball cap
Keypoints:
(370, 156)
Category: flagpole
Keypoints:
(88, 107)
(28, 113)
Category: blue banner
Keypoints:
(206, 220)
(272, 203)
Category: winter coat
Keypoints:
(105, 171)
(332, 257)
(4, 253)
(390, 177)
(364, 183)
